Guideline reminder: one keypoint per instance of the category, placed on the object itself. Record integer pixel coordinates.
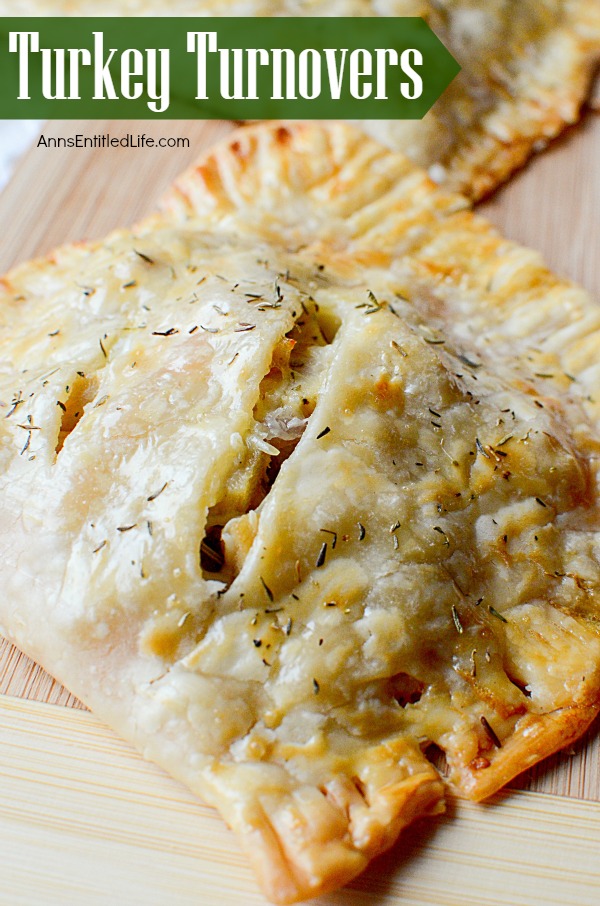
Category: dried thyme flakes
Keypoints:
(456, 620)
(268, 591)
(491, 734)
(322, 555)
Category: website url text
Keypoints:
(141, 140)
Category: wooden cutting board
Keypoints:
(82, 818)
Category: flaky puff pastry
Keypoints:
(300, 487)
(526, 68)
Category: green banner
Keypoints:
(231, 68)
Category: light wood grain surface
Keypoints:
(63, 194)
(553, 205)
(83, 820)
(59, 195)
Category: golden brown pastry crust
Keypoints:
(386, 214)
(421, 569)
(526, 71)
